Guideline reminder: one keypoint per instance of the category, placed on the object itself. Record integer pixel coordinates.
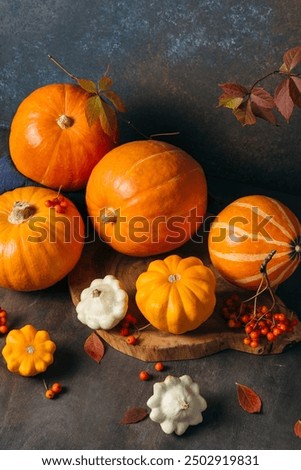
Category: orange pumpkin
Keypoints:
(176, 294)
(146, 197)
(246, 232)
(51, 141)
(38, 245)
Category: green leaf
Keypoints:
(87, 85)
(104, 83)
(93, 109)
(115, 100)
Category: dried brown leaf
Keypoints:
(244, 114)
(291, 58)
(134, 415)
(87, 85)
(104, 83)
(248, 399)
(93, 109)
(110, 121)
(283, 99)
(297, 428)
(115, 100)
(94, 347)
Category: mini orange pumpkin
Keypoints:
(51, 141)
(28, 351)
(38, 246)
(246, 232)
(176, 294)
(146, 197)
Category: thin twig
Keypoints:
(59, 65)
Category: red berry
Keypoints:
(49, 394)
(271, 336)
(247, 341)
(3, 329)
(254, 343)
(3, 313)
(144, 375)
(131, 340)
(124, 331)
(276, 331)
(56, 387)
(245, 318)
(264, 331)
(159, 366)
(255, 334)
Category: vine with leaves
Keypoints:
(248, 104)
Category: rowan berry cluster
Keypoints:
(3, 321)
(59, 203)
(53, 391)
(127, 324)
(257, 320)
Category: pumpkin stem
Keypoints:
(174, 277)
(184, 405)
(96, 293)
(109, 215)
(65, 121)
(21, 212)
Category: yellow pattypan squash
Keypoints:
(27, 351)
(176, 294)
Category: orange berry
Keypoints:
(276, 331)
(56, 387)
(264, 331)
(131, 340)
(144, 375)
(264, 309)
(247, 341)
(3, 313)
(255, 334)
(49, 394)
(248, 329)
(159, 366)
(232, 323)
(271, 336)
(3, 329)
(254, 343)
(245, 318)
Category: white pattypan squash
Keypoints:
(176, 404)
(102, 305)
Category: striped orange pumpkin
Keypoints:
(243, 235)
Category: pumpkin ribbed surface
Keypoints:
(246, 232)
(42, 246)
(50, 140)
(176, 294)
(146, 197)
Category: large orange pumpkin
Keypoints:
(51, 141)
(38, 245)
(146, 197)
(246, 232)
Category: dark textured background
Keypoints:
(166, 59)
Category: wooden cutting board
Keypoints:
(98, 260)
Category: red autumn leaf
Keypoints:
(94, 347)
(248, 399)
(291, 58)
(134, 415)
(233, 95)
(295, 90)
(233, 89)
(264, 113)
(283, 99)
(297, 428)
(244, 113)
(262, 98)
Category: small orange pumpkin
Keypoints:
(28, 351)
(246, 232)
(146, 197)
(38, 246)
(176, 294)
(51, 141)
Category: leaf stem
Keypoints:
(60, 66)
(263, 78)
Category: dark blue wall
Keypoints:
(166, 59)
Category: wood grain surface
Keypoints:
(98, 260)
